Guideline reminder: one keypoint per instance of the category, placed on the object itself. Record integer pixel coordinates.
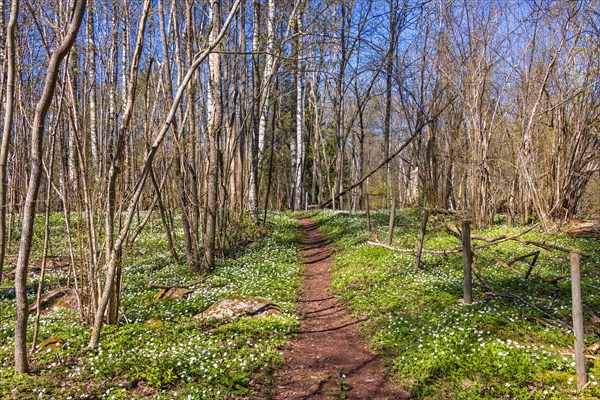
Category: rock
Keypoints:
(155, 323)
(10, 293)
(52, 264)
(235, 306)
(260, 232)
(51, 343)
(61, 299)
(173, 293)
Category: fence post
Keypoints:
(575, 259)
(467, 261)
(421, 239)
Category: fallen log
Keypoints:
(453, 229)
(442, 211)
(584, 229)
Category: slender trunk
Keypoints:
(271, 160)
(117, 164)
(299, 172)
(38, 311)
(266, 81)
(163, 217)
(37, 135)
(213, 139)
(71, 147)
(137, 190)
(91, 58)
(191, 251)
(387, 123)
(254, 171)
(8, 122)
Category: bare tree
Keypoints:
(37, 135)
(111, 264)
(9, 101)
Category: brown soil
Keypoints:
(329, 359)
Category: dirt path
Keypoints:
(329, 359)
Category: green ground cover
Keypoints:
(181, 358)
(513, 342)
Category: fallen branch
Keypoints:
(458, 249)
(442, 211)
(550, 247)
(524, 256)
(372, 243)
(532, 264)
(188, 286)
(477, 237)
(554, 280)
(453, 229)
(543, 321)
(481, 278)
(504, 265)
(505, 238)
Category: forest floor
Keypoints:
(358, 321)
(328, 359)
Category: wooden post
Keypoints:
(467, 261)
(421, 239)
(578, 320)
(390, 236)
(369, 228)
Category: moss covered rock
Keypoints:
(235, 306)
(67, 299)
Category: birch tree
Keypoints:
(9, 102)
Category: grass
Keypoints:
(512, 343)
(181, 357)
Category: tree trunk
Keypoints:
(137, 190)
(37, 135)
(9, 102)
(299, 162)
(213, 139)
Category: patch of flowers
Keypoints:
(182, 357)
(510, 343)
